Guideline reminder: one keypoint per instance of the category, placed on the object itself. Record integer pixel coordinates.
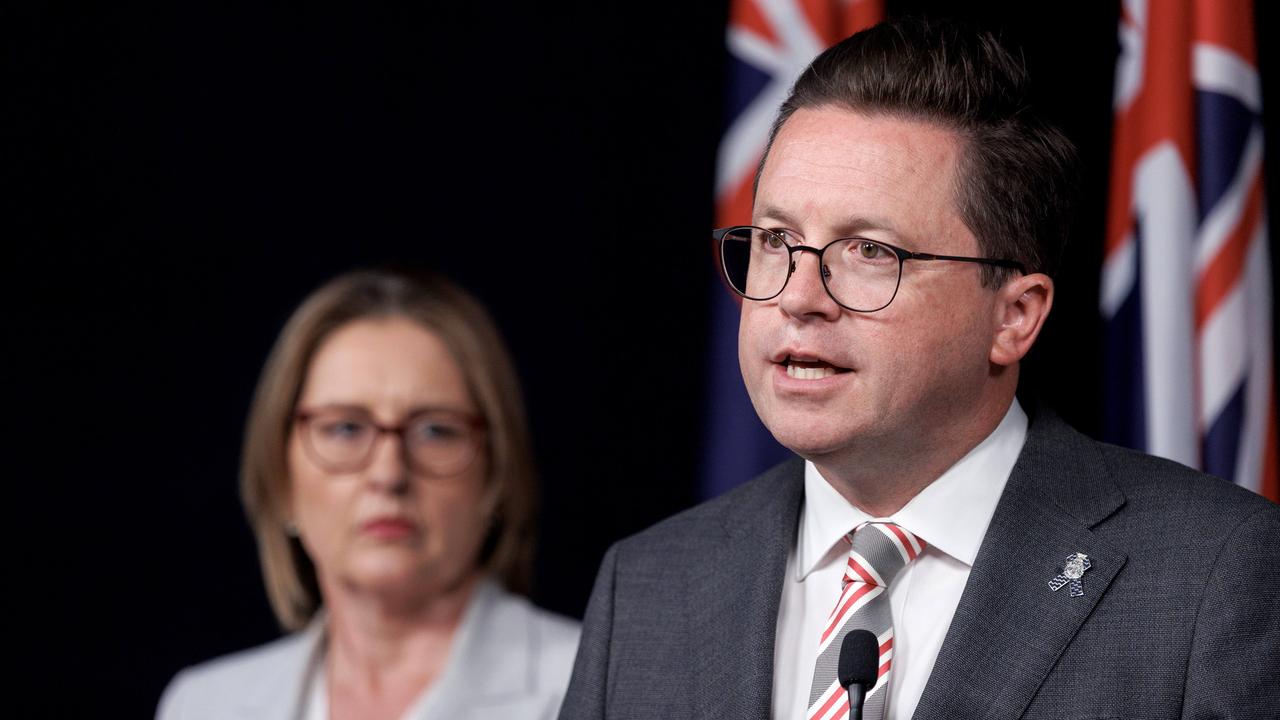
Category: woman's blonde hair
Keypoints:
(471, 337)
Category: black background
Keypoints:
(186, 172)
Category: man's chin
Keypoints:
(807, 443)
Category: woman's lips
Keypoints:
(388, 528)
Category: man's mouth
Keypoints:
(810, 368)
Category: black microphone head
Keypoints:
(859, 659)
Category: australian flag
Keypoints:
(1186, 287)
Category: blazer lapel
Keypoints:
(1010, 627)
(733, 608)
(490, 671)
(277, 691)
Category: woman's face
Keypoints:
(385, 527)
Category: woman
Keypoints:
(388, 478)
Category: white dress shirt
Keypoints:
(951, 514)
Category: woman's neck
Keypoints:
(382, 652)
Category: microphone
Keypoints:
(859, 667)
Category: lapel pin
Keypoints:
(1072, 570)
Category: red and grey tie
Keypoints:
(878, 552)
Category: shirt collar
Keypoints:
(951, 514)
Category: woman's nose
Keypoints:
(388, 469)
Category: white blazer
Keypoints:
(509, 660)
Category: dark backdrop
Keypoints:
(186, 172)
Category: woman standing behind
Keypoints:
(388, 478)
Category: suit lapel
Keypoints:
(733, 608)
(1010, 628)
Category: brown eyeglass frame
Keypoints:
(477, 423)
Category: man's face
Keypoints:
(892, 380)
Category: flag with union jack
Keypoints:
(1186, 287)
(770, 43)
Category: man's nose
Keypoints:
(805, 296)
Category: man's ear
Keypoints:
(1022, 305)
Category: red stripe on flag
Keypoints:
(1161, 111)
(834, 21)
(746, 14)
(1228, 25)
(860, 14)
(825, 20)
(1125, 148)
(1226, 270)
(1167, 93)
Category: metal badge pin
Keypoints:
(1072, 570)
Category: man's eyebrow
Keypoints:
(769, 212)
(855, 223)
(860, 223)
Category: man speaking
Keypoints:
(908, 218)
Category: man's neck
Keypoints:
(880, 476)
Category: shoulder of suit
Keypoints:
(1153, 485)
(218, 682)
(1138, 474)
(775, 490)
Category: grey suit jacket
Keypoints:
(510, 660)
(1179, 617)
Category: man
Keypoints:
(908, 216)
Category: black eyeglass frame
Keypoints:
(719, 235)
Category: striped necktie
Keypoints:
(878, 552)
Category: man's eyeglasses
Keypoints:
(436, 443)
(859, 274)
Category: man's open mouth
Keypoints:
(810, 369)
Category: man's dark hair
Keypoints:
(1016, 174)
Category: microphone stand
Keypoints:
(857, 693)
